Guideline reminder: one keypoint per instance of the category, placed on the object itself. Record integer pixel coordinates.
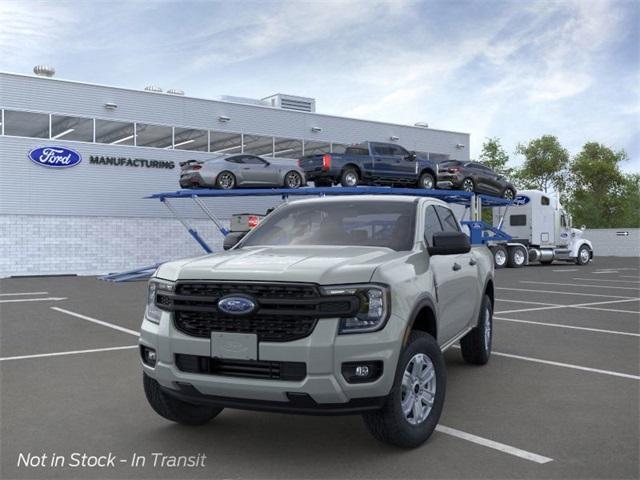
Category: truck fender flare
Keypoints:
(351, 165)
(580, 243)
(428, 170)
(424, 300)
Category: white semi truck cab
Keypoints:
(541, 228)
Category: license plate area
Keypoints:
(238, 346)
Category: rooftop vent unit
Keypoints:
(44, 71)
(421, 124)
(153, 88)
(175, 91)
(291, 102)
(245, 100)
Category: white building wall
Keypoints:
(613, 241)
(54, 245)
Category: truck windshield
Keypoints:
(373, 223)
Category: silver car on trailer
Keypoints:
(241, 170)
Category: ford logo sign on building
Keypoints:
(236, 305)
(55, 157)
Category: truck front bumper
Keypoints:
(323, 390)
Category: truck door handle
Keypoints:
(473, 262)
(456, 267)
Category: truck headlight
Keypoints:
(374, 307)
(153, 311)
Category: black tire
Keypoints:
(476, 345)
(468, 185)
(389, 424)
(322, 183)
(500, 256)
(508, 194)
(293, 180)
(584, 255)
(517, 257)
(176, 410)
(225, 180)
(427, 181)
(349, 176)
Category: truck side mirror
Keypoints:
(412, 156)
(231, 239)
(449, 243)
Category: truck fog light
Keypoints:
(148, 355)
(362, 372)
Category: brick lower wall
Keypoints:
(51, 245)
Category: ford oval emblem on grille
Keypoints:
(236, 305)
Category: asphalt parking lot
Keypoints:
(559, 398)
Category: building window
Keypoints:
(26, 124)
(225, 142)
(287, 148)
(258, 145)
(190, 139)
(71, 128)
(157, 136)
(315, 148)
(114, 133)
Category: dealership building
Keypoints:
(92, 217)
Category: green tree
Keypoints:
(545, 164)
(600, 195)
(494, 156)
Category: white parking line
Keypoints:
(628, 276)
(633, 312)
(572, 327)
(581, 285)
(588, 306)
(95, 320)
(71, 352)
(604, 280)
(485, 442)
(561, 293)
(47, 299)
(564, 365)
(567, 270)
(567, 365)
(527, 301)
(23, 293)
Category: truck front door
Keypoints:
(455, 276)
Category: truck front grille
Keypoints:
(284, 312)
(292, 371)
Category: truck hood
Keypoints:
(325, 265)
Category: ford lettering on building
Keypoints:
(55, 157)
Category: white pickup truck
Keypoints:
(338, 305)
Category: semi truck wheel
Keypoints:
(584, 255)
(517, 257)
(476, 345)
(413, 407)
(176, 410)
(500, 256)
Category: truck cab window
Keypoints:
(544, 200)
(448, 220)
(431, 224)
(517, 220)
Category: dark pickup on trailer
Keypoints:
(371, 163)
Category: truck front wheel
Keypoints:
(176, 410)
(414, 405)
(584, 255)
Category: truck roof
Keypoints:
(362, 198)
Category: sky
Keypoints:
(509, 69)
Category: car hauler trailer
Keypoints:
(540, 230)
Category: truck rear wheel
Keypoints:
(427, 181)
(176, 410)
(517, 257)
(500, 256)
(349, 178)
(413, 407)
(476, 345)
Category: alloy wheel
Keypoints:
(508, 194)
(293, 180)
(226, 181)
(351, 179)
(467, 185)
(418, 391)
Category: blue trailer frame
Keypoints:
(480, 232)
